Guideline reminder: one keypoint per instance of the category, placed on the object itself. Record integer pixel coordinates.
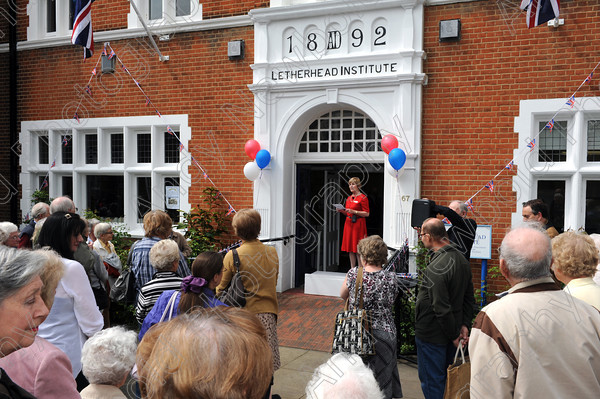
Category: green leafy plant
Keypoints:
(205, 225)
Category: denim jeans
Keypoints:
(433, 361)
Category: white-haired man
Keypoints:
(62, 204)
(39, 211)
(463, 230)
(538, 341)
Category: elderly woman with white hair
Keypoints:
(343, 376)
(105, 248)
(9, 234)
(107, 359)
(164, 257)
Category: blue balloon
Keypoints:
(397, 158)
(263, 158)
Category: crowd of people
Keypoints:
(56, 340)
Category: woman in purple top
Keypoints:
(197, 290)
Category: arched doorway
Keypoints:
(333, 148)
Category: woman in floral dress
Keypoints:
(380, 289)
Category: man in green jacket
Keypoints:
(444, 310)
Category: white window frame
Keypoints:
(169, 14)
(575, 171)
(36, 11)
(130, 169)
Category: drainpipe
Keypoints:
(12, 124)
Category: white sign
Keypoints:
(172, 197)
(482, 247)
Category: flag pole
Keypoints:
(160, 56)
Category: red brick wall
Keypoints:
(473, 94)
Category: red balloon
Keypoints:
(388, 143)
(252, 147)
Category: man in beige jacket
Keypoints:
(537, 341)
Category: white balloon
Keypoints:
(390, 169)
(251, 171)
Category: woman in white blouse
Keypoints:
(74, 315)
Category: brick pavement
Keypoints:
(306, 321)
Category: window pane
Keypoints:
(105, 195)
(117, 150)
(144, 148)
(43, 149)
(155, 9)
(43, 183)
(174, 213)
(553, 142)
(67, 186)
(66, 150)
(144, 197)
(50, 16)
(593, 141)
(592, 206)
(552, 192)
(91, 148)
(171, 148)
(183, 8)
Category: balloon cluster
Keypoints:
(396, 156)
(261, 159)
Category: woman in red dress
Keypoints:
(355, 228)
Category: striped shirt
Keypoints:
(161, 281)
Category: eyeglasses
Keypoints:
(422, 234)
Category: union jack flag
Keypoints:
(230, 210)
(550, 124)
(76, 117)
(469, 204)
(124, 68)
(446, 220)
(181, 147)
(148, 100)
(490, 186)
(94, 71)
(158, 113)
(204, 175)
(531, 145)
(571, 101)
(540, 11)
(589, 78)
(171, 132)
(218, 194)
(53, 164)
(112, 54)
(136, 83)
(65, 141)
(88, 90)
(83, 34)
(45, 183)
(510, 165)
(104, 52)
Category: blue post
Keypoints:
(483, 282)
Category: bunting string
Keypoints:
(182, 149)
(570, 103)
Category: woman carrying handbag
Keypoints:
(378, 292)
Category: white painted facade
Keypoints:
(313, 58)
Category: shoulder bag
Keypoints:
(123, 289)
(352, 330)
(235, 293)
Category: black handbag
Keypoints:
(123, 290)
(352, 330)
(235, 293)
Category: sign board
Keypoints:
(482, 247)
(172, 197)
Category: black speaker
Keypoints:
(421, 210)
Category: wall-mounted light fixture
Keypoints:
(107, 65)
(235, 49)
(449, 30)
